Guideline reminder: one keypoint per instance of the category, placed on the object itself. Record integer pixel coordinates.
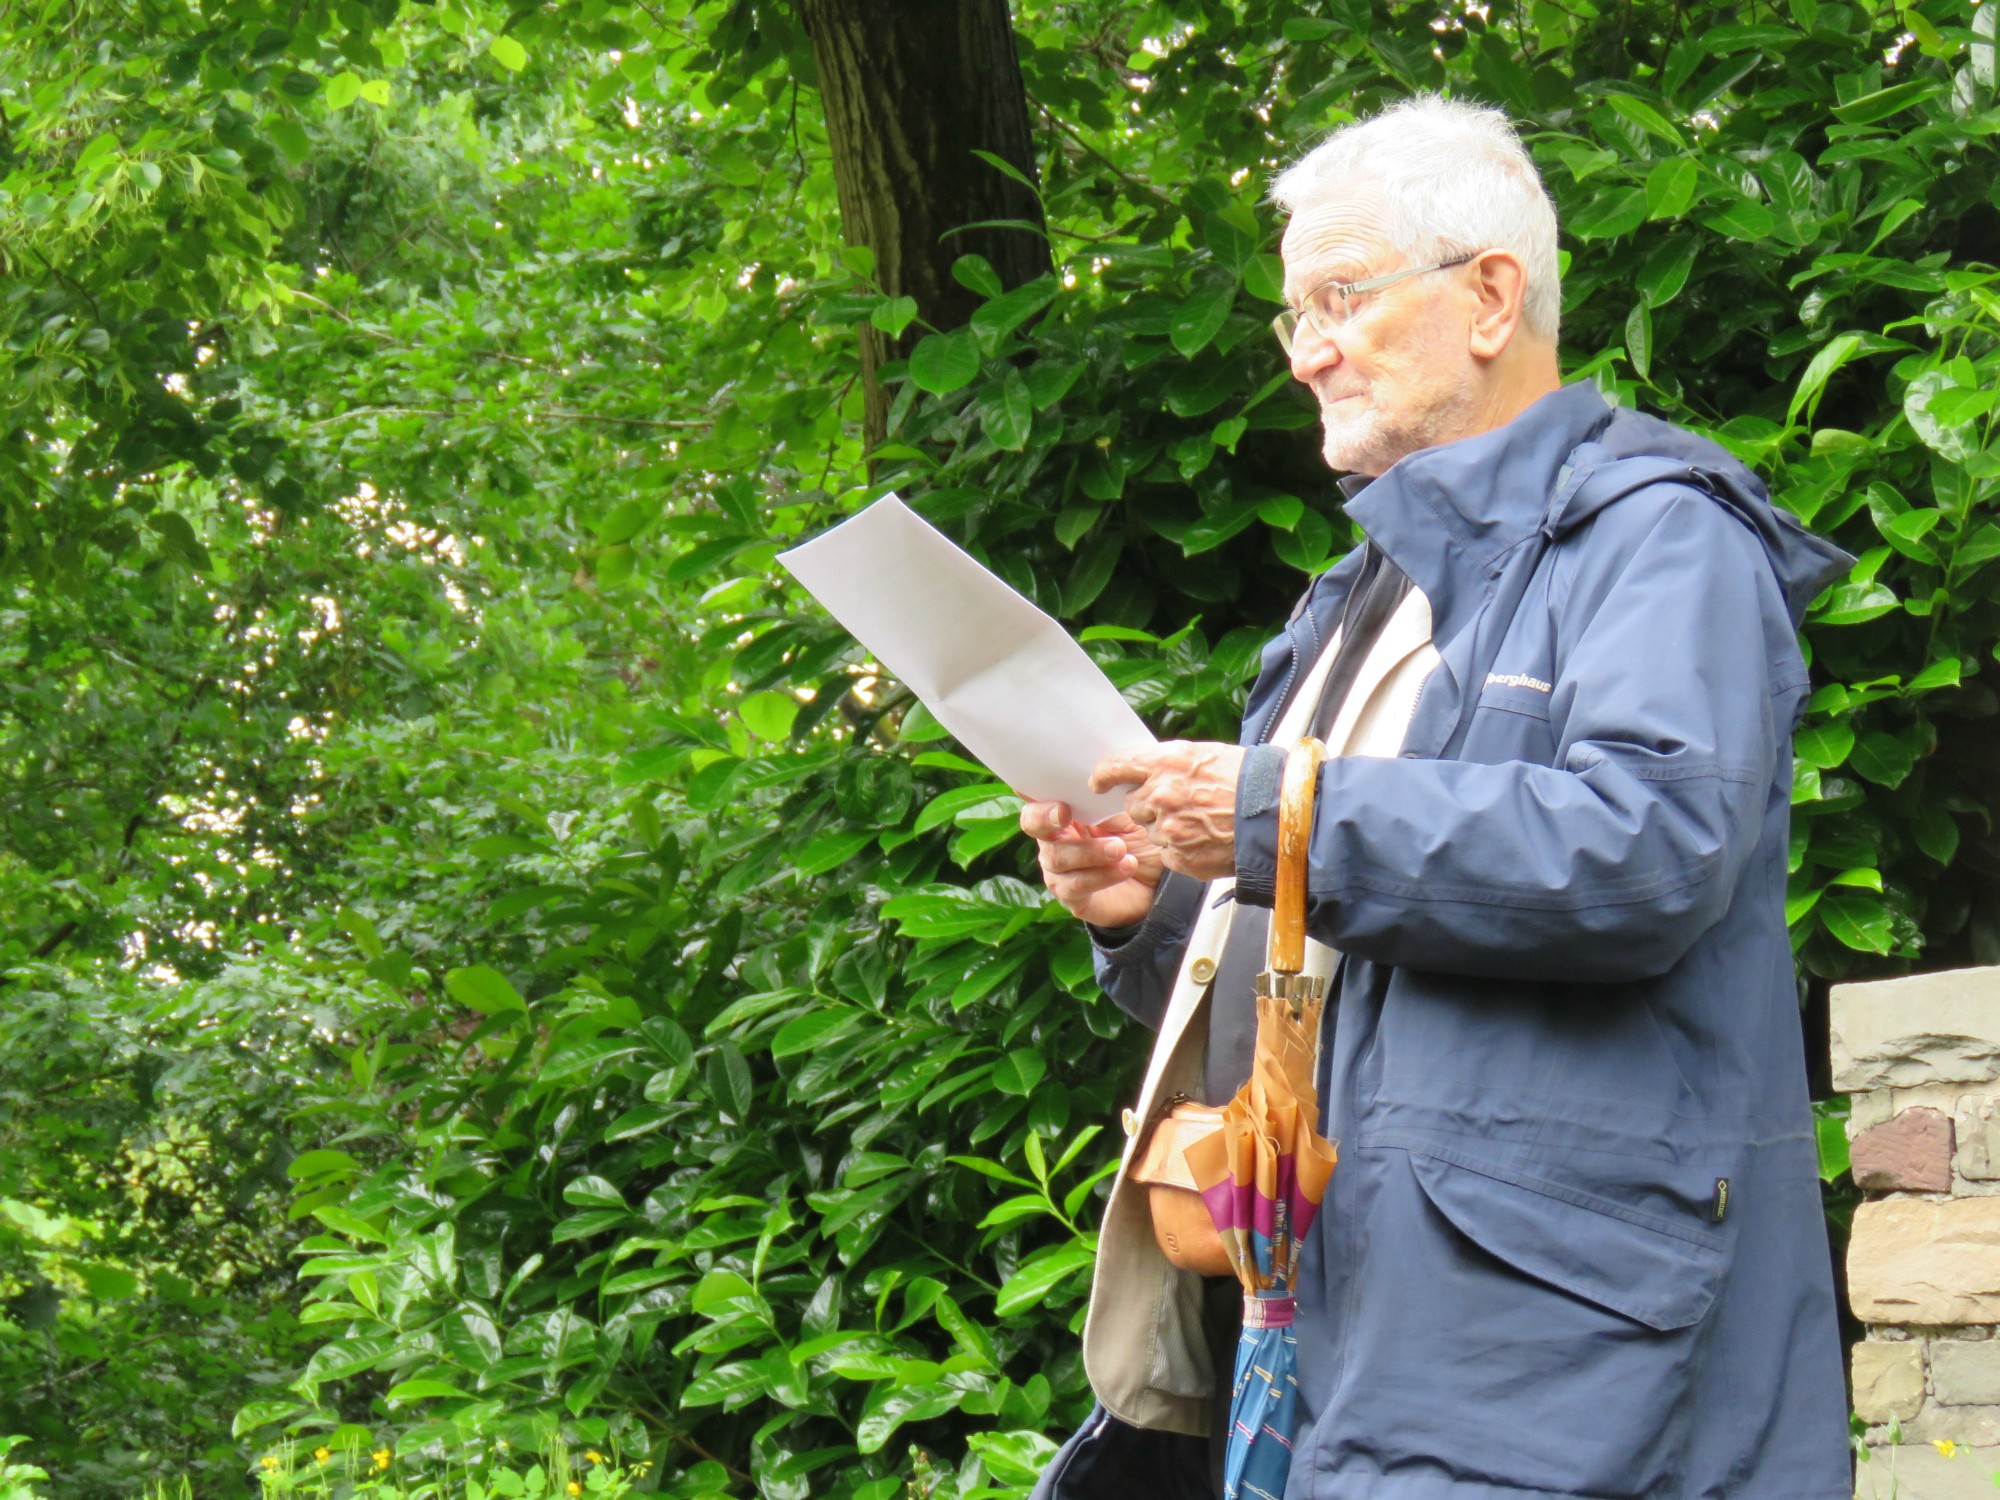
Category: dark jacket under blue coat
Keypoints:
(1574, 1245)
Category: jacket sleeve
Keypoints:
(1137, 965)
(1608, 863)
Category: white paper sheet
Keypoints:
(999, 674)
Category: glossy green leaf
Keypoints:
(1830, 1133)
(893, 314)
(1806, 395)
(1670, 187)
(1666, 268)
(1647, 118)
(1741, 219)
(484, 989)
(1884, 759)
(812, 1030)
(342, 89)
(1008, 311)
(944, 362)
(1857, 922)
(1639, 338)
(1039, 1275)
(1200, 317)
(508, 52)
(768, 715)
(1019, 1071)
(1823, 745)
(729, 1082)
(1882, 103)
(1008, 412)
(1610, 215)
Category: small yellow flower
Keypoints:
(269, 1461)
(322, 1454)
(593, 1455)
(1945, 1446)
(640, 1468)
(381, 1458)
(574, 1488)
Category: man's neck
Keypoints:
(1531, 374)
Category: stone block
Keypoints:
(1965, 1374)
(1925, 1260)
(1978, 1137)
(1866, 1111)
(1924, 1029)
(1944, 1096)
(1888, 1380)
(1974, 1426)
(1911, 1153)
(1917, 1471)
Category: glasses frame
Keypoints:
(1286, 323)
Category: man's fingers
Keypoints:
(1075, 886)
(1084, 854)
(1118, 825)
(1044, 820)
(1121, 769)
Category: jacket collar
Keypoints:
(1446, 515)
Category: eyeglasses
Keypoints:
(1329, 305)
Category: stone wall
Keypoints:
(1920, 1060)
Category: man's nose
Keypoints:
(1312, 352)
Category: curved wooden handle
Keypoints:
(1295, 821)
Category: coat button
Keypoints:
(1202, 970)
(1130, 1121)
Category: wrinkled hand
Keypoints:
(1183, 794)
(1104, 872)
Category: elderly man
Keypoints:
(1573, 1246)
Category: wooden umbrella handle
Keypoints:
(1295, 821)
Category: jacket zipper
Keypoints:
(1416, 698)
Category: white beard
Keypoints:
(1360, 438)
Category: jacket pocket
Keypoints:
(1516, 693)
(1620, 1259)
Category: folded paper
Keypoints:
(1002, 676)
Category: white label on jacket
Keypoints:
(1517, 679)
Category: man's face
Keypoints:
(1398, 375)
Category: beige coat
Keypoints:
(1143, 1345)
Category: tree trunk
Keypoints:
(912, 88)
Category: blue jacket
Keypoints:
(1574, 1245)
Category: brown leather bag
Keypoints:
(1182, 1225)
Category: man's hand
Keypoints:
(1183, 794)
(1104, 873)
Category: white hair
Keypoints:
(1455, 180)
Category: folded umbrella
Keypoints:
(1264, 1174)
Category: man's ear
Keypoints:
(1500, 284)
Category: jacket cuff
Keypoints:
(1258, 784)
(1175, 905)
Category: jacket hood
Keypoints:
(1804, 564)
(1447, 515)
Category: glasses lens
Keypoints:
(1283, 326)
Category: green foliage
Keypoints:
(428, 801)
(144, 1286)
(17, 1480)
(350, 1467)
